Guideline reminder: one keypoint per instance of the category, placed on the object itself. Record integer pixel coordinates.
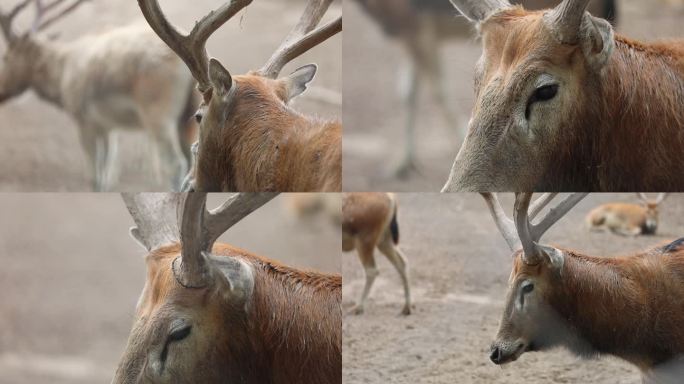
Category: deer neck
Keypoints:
(298, 317)
(47, 76)
(637, 110)
(589, 293)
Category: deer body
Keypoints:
(258, 143)
(567, 112)
(628, 307)
(369, 221)
(624, 218)
(287, 331)
(124, 79)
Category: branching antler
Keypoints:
(6, 20)
(659, 199)
(303, 37)
(521, 232)
(42, 19)
(200, 228)
(192, 47)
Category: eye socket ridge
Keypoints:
(176, 334)
(541, 94)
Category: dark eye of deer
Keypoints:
(176, 335)
(198, 117)
(543, 93)
(527, 288)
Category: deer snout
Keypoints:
(506, 352)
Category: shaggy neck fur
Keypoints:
(632, 131)
(294, 322)
(46, 79)
(623, 306)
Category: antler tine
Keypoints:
(40, 24)
(539, 204)
(660, 198)
(505, 225)
(531, 254)
(6, 20)
(642, 196)
(555, 214)
(154, 215)
(303, 37)
(566, 19)
(199, 229)
(191, 48)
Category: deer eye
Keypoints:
(543, 93)
(179, 333)
(527, 288)
(198, 116)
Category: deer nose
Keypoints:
(495, 356)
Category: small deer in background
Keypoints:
(628, 307)
(422, 27)
(213, 313)
(561, 103)
(369, 221)
(303, 205)
(250, 138)
(627, 219)
(123, 79)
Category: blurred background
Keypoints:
(378, 59)
(40, 148)
(459, 269)
(71, 276)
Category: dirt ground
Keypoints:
(374, 111)
(40, 149)
(71, 276)
(459, 270)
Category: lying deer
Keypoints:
(213, 313)
(123, 79)
(369, 220)
(627, 219)
(250, 138)
(422, 27)
(305, 205)
(561, 103)
(629, 307)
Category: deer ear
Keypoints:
(236, 277)
(597, 41)
(220, 78)
(297, 81)
(556, 258)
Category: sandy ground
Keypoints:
(71, 276)
(374, 111)
(459, 271)
(40, 149)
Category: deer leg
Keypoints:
(627, 231)
(365, 251)
(397, 258)
(110, 171)
(169, 155)
(100, 161)
(410, 92)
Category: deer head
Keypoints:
(528, 321)
(651, 206)
(18, 70)
(533, 85)
(236, 107)
(179, 335)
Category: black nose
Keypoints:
(495, 356)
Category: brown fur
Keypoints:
(624, 218)
(629, 306)
(290, 332)
(259, 143)
(369, 221)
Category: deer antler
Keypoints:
(529, 234)
(191, 48)
(199, 229)
(302, 37)
(6, 20)
(154, 215)
(659, 199)
(566, 19)
(42, 21)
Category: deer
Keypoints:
(369, 221)
(250, 139)
(123, 79)
(213, 313)
(561, 102)
(625, 218)
(306, 205)
(628, 306)
(421, 27)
